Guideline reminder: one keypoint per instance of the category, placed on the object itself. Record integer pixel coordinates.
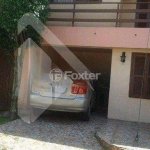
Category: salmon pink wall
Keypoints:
(101, 37)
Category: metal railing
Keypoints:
(118, 11)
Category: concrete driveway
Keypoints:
(54, 131)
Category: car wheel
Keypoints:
(94, 107)
(86, 115)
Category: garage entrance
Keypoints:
(97, 60)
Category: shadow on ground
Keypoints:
(54, 130)
(64, 131)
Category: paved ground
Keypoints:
(64, 131)
(122, 134)
(55, 131)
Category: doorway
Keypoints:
(97, 60)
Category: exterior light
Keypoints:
(123, 57)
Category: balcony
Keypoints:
(100, 14)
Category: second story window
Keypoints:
(146, 6)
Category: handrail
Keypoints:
(101, 10)
(118, 10)
(94, 2)
(100, 20)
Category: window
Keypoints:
(143, 5)
(140, 76)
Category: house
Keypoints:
(106, 30)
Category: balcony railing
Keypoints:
(120, 14)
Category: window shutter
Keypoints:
(139, 78)
(136, 77)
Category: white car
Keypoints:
(64, 95)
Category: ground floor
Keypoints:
(124, 86)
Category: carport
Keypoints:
(97, 60)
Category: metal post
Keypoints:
(117, 17)
(74, 7)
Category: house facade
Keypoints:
(107, 30)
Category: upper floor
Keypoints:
(100, 13)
